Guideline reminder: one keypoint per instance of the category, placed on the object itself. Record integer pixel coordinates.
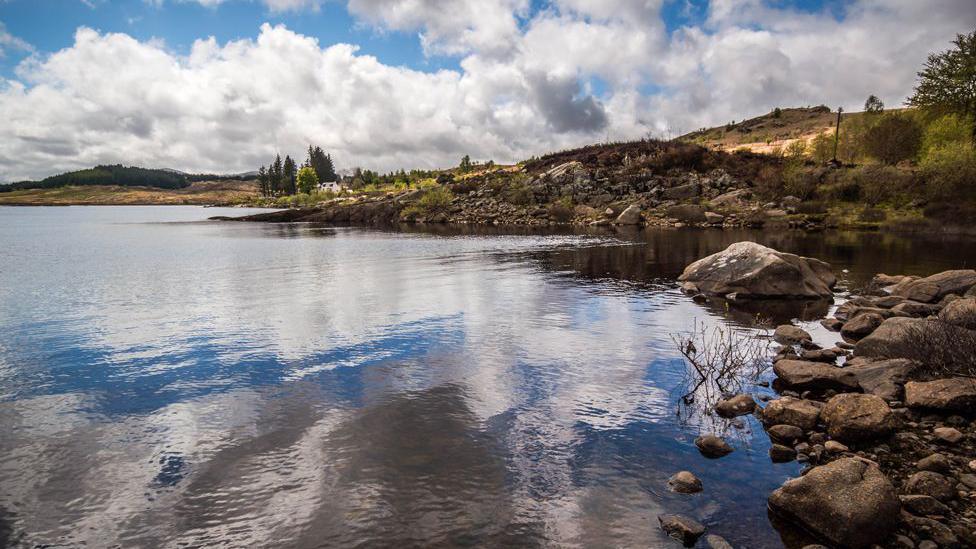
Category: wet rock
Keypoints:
(712, 446)
(786, 434)
(855, 417)
(803, 375)
(630, 216)
(882, 279)
(861, 325)
(717, 542)
(923, 505)
(739, 405)
(684, 529)
(937, 463)
(792, 411)
(684, 482)
(949, 435)
(832, 324)
(713, 218)
(828, 356)
(781, 454)
(960, 313)
(748, 269)
(884, 378)
(851, 492)
(952, 394)
(933, 288)
(787, 334)
(929, 483)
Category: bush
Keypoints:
(896, 137)
(947, 130)
(519, 194)
(769, 182)
(950, 172)
(872, 215)
(798, 181)
(822, 148)
(562, 210)
(796, 149)
(436, 200)
(872, 184)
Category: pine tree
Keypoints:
(290, 175)
(277, 176)
(263, 181)
(322, 164)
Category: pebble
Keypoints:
(948, 434)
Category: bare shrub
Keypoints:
(722, 359)
(943, 349)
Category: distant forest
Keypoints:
(122, 176)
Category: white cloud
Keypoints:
(525, 85)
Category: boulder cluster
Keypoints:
(883, 424)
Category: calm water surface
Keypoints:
(171, 382)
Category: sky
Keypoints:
(221, 86)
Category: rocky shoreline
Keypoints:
(883, 421)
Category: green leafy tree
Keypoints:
(465, 165)
(894, 138)
(947, 82)
(873, 105)
(307, 180)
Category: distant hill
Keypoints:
(776, 129)
(122, 176)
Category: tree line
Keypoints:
(285, 177)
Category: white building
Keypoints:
(333, 186)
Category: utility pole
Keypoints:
(837, 132)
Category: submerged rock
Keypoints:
(685, 482)
(712, 446)
(855, 417)
(748, 269)
(684, 529)
(848, 502)
(739, 405)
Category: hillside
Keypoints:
(200, 193)
(772, 131)
(118, 175)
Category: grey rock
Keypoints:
(682, 528)
(717, 542)
(630, 216)
(752, 270)
(803, 375)
(928, 483)
(712, 446)
(849, 491)
(792, 411)
(933, 288)
(855, 417)
(788, 334)
(884, 378)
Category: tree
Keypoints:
(321, 163)
(290, 175)
(894, 138)
(276, 174)
(873, 105)
(947, 82)
(307, 180)
(821, 148)
(263, 181)
(465, 164)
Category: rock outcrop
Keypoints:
(750, 270)
(847, 502)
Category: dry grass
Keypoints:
(202, 193)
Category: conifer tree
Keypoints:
(290, 175)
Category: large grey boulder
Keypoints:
(933, 288)
(847, 502)
(951, 394)
(792, 411)
(747, 269)
(630, 216)
(884, 378)
(802, 375)
(855, 417)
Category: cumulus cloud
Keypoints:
(528, 82)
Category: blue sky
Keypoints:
(85, 82)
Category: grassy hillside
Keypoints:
(201, 193)
(773, 131)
